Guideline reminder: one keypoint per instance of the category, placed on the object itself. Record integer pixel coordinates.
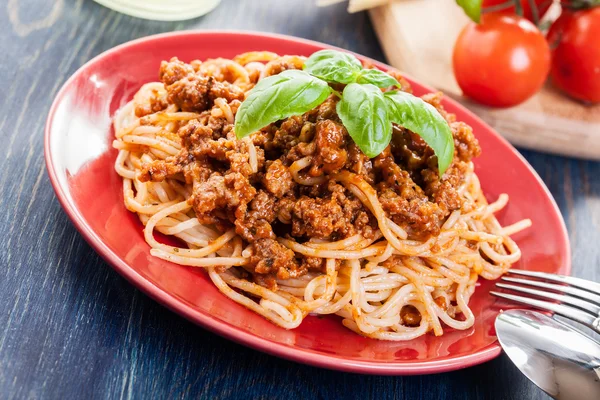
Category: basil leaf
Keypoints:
(333, 66)
(472, 8)
(377, 78)
(363, 112)
(291, 92)
(423, 119)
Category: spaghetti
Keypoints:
(400, 258)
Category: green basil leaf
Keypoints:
(364, 113)
(472, 8)
(291, 92)
(333, 66)
(423, 119)
(377, 78)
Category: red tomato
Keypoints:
(575, 40)
(540, 5)
(502, 61)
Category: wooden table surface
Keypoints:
(71, 327)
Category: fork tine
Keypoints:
(583, 294)
(576, 282)
(582, 304)
(562, 310)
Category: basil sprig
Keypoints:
(366, 111)
(333, 66)
(473, 8)
(289, 93)
(377, 78)
(363, 112)
(422, 118)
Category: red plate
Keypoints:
(80, 161)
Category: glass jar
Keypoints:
(162, 10)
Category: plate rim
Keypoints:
(234, 333)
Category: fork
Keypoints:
(573, 298)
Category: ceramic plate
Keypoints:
(80, 161)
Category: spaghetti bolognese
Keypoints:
(295, 219)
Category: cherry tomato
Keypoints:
(502, 61)
(575, 40)
(541, 6)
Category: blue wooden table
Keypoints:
(71, 327)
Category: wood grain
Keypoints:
(70, 327)
(548, 121)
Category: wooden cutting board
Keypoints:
(418, 37)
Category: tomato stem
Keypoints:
(518, 8)
(535, 13)
(579, 4)
(498, 7)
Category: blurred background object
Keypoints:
(162, 10)
(354, 5)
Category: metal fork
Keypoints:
(573, 298)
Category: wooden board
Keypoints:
(418, 37)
